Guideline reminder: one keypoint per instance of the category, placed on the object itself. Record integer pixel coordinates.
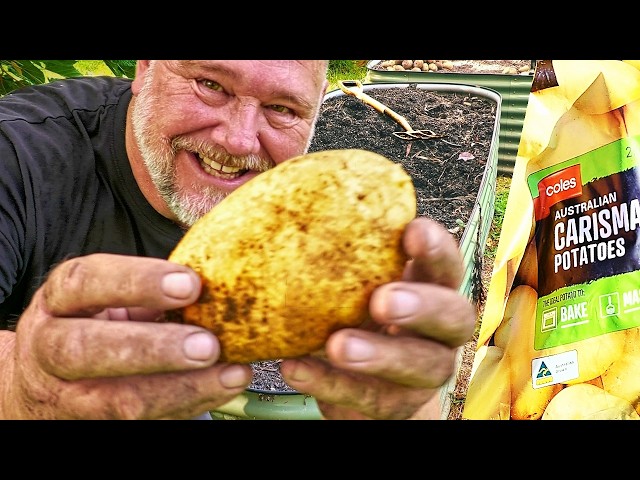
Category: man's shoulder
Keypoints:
(63, 98)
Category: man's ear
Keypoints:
(141, 69)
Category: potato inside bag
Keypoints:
(563, 304)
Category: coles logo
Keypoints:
(556, 187)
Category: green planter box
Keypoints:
(266, 406)
(514, 90)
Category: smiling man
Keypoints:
(101, 178)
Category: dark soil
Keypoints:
(446, 170)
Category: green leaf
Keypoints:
(21, 73)
(122, 68)
(62, 68)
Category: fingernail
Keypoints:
(358, 350)
(404, 303)
(177, 285)
(199, 346)
(301, 372)
(234, 376)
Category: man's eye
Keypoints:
(211, 85)
(280, 109)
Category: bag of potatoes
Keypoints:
(559, 337)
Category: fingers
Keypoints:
(426, 309)
(427, 302)
(160, 396)
(86, 285)
(435, 254)
(86, 347)
(344, 394)
(89, 348)
(373, 375)
(71, 365)
(73, 348)
(408, 360)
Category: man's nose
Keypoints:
(241, 136)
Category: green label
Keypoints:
(583, 311)
(587, 213)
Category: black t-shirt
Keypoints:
(66, 186)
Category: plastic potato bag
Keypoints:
(560, 333)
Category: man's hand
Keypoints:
(90, 346)
(393, 367)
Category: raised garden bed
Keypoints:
(512, 79)
(454, 176)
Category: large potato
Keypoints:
(489, 391)
(585, 401)
(294, 255)
(621, 378)
(516, 333)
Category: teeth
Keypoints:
(226, 169)
(218, 166)
(213, 167)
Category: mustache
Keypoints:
(220, 155)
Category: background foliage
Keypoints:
(21, 73)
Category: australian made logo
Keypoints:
(544, 375)
(553, 369)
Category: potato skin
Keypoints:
(585, 401)
(294, 255)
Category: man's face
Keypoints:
(205, 127)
